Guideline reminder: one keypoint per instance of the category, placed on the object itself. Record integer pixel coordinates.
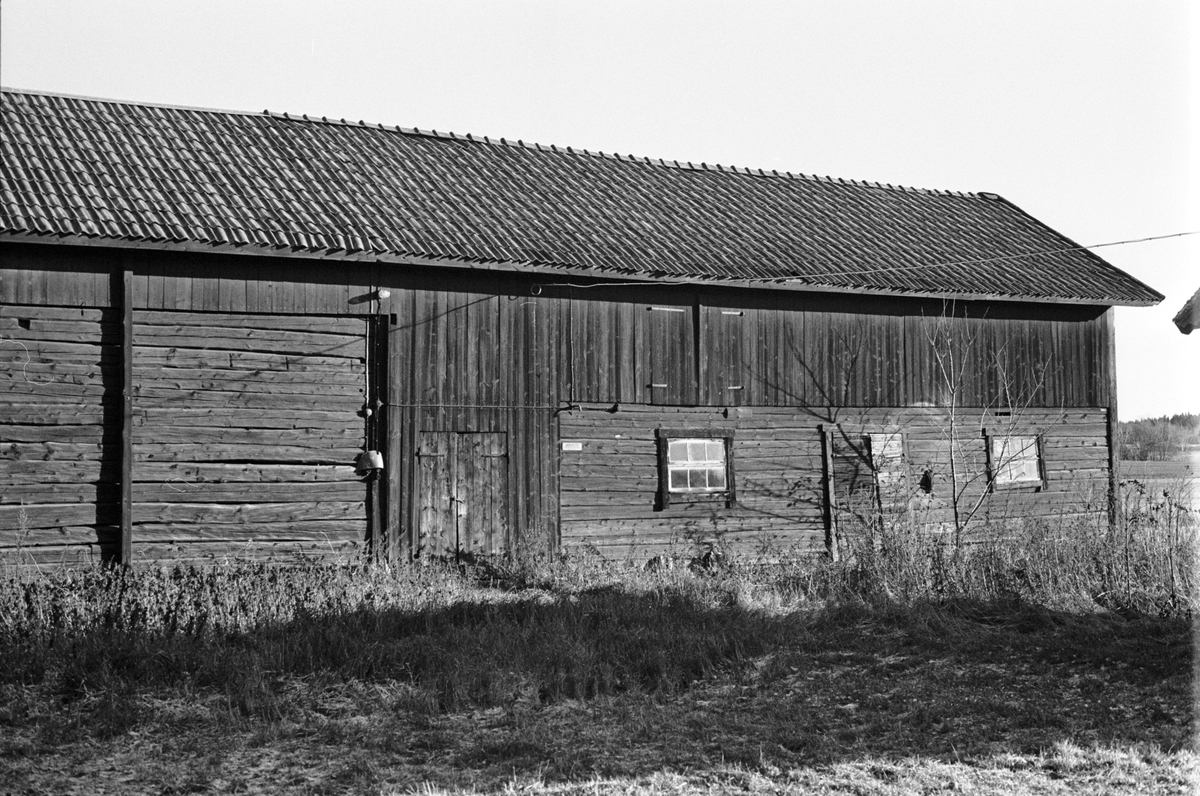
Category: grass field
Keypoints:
(1057, 663)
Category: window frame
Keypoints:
(994, 468)
(663, 438)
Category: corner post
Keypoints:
(1109, 365)
(125, 549)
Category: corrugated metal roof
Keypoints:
(155, 174)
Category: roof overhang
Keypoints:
(795, 284)
(1188, 317)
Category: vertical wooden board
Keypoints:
(435, 490)
(231, 292)
(480, 490)
(70, 288)
(671, 342)
(453, 324)
(821, 372)
(14, 285)
(205, 287)
(432, 335)
(469, 388)
(125, 545)
(916, 362)
(399, 353)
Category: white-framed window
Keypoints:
(1015, 460)
(694, 464)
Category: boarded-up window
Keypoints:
(1015, 460)
(867, 477)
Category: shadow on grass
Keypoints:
(613, 681)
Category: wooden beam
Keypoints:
(828, 487)
(125, 549)
(1108, 365)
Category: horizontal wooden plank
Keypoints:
(221, 417)
(51, 515)
(52, 451)
(334, 531)
(160, 398)
(335, 389)
(218, 553)
(228, 339)
(243, 473)
(315, 323)
(60, 535)
(242, 360)
(243, 513)
(30, 413)
(180, 452)
(45, 350)
(51, 433)
(57, 390)
(317, 438)
(52, 313)
(181, 491)
(349, 377)
(57, 331)
(54, 471)
(66, 556)
(14, 493)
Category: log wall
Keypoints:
(245, 432)
(610, 477)
(59, 433)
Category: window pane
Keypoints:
(679, 479)
(677, 451)
(716, 478)
(716, 450)
(695, 450)
(1015, 459)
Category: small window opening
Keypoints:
(695, 464)
(1015, 460)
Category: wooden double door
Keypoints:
(463, 486)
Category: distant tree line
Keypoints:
(1159, 438)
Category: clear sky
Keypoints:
(1082, 112)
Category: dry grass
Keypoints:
(1030, 668)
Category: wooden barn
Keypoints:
(265, 336)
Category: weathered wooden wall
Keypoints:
(501, 357)
(59, 433)
(468, 363)
(609, 485)
(245, 432)
(750, 349)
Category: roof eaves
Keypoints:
(526, 267)
(1188, 317)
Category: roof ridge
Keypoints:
(521, 143)
(136, 103)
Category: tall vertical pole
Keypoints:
(1109, 369)
(125, 552)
